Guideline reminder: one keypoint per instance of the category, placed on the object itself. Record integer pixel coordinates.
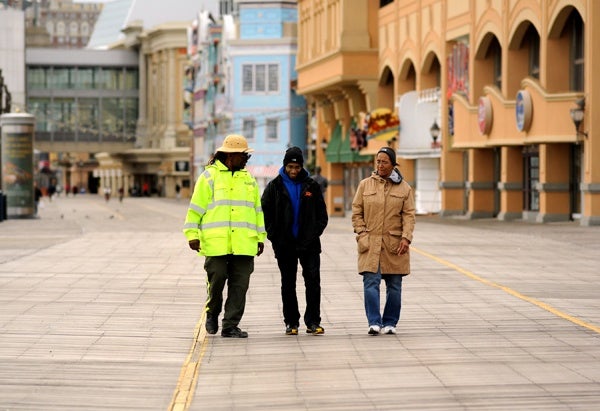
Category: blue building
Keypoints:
(261, 70)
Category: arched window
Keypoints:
(60, 28)
(531, 40)
(73, 29)
(575, 30)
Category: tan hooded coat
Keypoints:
(383, 213)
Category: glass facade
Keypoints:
(68, 106)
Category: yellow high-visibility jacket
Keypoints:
(225, 213)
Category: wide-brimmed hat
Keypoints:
(235, 143)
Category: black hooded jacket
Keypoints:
(279, 215)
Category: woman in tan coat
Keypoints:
(383, 217)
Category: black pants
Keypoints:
(234, 270)
(311, 271)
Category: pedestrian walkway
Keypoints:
(101, 308)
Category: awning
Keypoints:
(347, 154)
(332, 153)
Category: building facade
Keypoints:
(513, 79)
(337, 64)
(84, 102)
(266, 109)
(68, 24)
(245, 80)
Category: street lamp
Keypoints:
(435, 133)
(577, 116)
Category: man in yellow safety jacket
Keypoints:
(225, 223)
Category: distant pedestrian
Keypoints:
(37, 198)
(295, 218)
(121, 194)
(321, 180)
(177, 191)
(107, 193)
(225, 223)
(383, 218)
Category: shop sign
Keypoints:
(523, 110)
(485, 116)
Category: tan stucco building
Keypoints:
(500, 78)
(161, 157)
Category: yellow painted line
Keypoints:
(184, 391)
(510, 291)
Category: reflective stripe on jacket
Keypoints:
(225, 213)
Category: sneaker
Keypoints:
(374, 329)
(233, 332)
(389, 329)
(291, 330)
(212, 324)
(315, 329)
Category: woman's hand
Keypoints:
(404, 245)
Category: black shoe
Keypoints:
(291, 330)
(212, 324)
(233, 332)
(315, 329)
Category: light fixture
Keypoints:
(577, 115)
(435, 133)
(324, 144)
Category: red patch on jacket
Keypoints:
(308, 194)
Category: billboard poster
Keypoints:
(17, 172)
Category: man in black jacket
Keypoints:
(295, 217)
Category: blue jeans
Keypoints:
(393, 296)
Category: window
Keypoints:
(60, 29)
(131, 115)
(272, 128)
(247, 74)
(40, 108)
(531, 176)
(36, 78)
(131, 79)
(64, 114)
(73, 29)
(495, 52)
(110, 79)
(532, 40)
(577, 59)
(248, 128)
(260, 78)
(88, 115)
(62, 77)
(85, 79)
(273, 77)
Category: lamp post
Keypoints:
(577, 114)
(435, 133)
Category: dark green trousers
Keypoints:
(233, 270)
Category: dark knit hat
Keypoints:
(390, 153)
(293, 155)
